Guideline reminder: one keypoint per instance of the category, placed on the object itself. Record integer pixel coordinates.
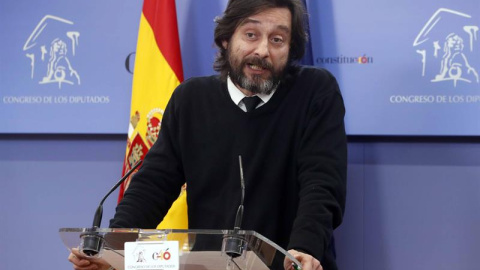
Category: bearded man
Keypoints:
(285, 121)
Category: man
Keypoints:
(292, 143)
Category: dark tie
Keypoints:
(251, 102)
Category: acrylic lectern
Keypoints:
(197, 249)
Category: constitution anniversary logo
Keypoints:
(51, 50)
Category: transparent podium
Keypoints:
(198, 249)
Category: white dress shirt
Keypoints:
(236, 95)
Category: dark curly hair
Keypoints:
(239, 10)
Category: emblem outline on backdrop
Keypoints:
(452, 53)
(53, 54)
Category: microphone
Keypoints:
(92, 242)
(234, 244)
(239, 217)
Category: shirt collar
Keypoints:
(236, 95)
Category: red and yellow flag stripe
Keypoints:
(157, 72)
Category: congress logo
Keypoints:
(448, 46)
(51, 48)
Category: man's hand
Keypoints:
(80, 262)
(308, 262)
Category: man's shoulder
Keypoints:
(198, 88)
(204, 83)
(313, 73)
(314, 81)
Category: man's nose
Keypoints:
(262, 49)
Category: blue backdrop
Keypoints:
(63, 65)
(404, 67)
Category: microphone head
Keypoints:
(234, 245)
(91, 244)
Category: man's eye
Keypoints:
(277, 40)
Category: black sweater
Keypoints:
(294, 160)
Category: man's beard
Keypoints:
(256, 84)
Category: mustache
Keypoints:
(252, 60)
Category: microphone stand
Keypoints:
(235, 244)
(92, 242)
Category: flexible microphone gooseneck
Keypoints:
(92, 242)
(234, 244)
(239, 217)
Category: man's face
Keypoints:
(258, 51)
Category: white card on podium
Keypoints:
(152, 255)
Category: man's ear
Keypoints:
(225, 44)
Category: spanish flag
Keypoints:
(157, 72)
